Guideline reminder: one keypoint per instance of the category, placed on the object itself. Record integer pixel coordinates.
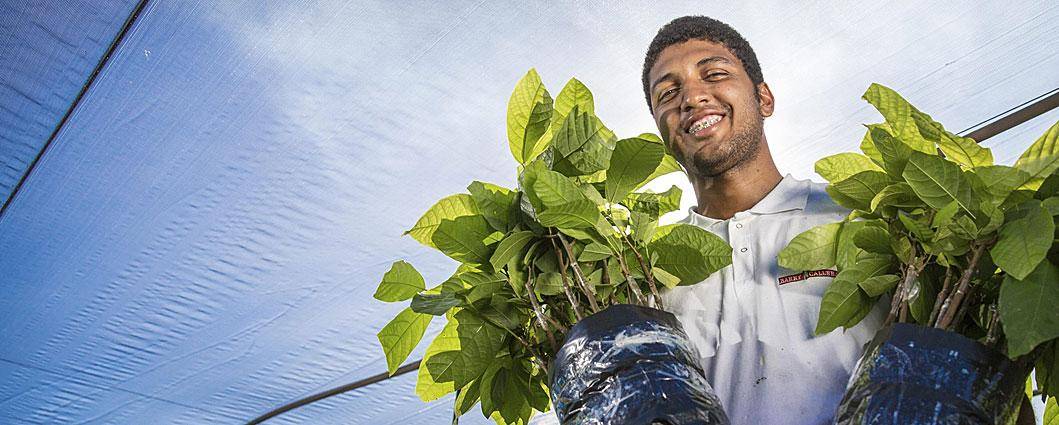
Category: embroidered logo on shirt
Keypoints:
(807, 274)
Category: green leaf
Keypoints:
(667, 279)
(427, 388)
(482, 285)
(435, 304)
(643, 226)
(528, 112)
(1051, 412)
(964, 150)
(813, 249)
(894, 152)
(504, 393)
(654, 204)
(844, 300)
(399, 337)
(572, 215)
(462, 239)
(467, 397)
(867, 145)
(1028, 308)
(878, 285)
(448, 208)
(847, 252)
(945, 215)
(917, 227)
(1041, 159)
(510, 247)
(1052, 205)
(503, 312)
(631, 163)
(922, 295)
(580, 145)
(903, 249)
(690, 253)
(938, 182)
(836, 168)
(574, 93)
(998, 181)
(594, 252)
(494, 203)
(897, 195)
(668, 165)
(554, 189)
(898, 113)
(873, 239)
(1047, 368)
(549, 283)
(479, 342)
(1024, 240)
(400, 283)
(964, 227)
(529, 202)
(857, 191)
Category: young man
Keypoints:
(753, 321)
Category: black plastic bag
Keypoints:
(912, 375)
(631, 365)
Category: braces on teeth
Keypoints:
(713, 119)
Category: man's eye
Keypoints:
(666, 94)
(716, 74)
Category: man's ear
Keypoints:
(766, 102)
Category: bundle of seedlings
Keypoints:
(961, 249)
(555, 302)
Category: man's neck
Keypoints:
(736, 190)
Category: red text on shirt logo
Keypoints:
(807, 274)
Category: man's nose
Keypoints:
(696, 94)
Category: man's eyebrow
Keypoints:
(704, 61)
(712, 59)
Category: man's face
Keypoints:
(705, 107)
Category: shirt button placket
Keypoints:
(741, 269)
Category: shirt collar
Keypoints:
(790, 194)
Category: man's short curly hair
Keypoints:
(701, 28)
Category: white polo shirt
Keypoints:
(753, 321)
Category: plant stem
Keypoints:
(899, 302)
(566, 283)
(537, 308)
(646, 272)
(633, 286)
(993, 331)
(606, 282)
(643, 266)
(954, 301)
(590, 292)
(945, 288)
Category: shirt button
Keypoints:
(742, 249)
(739, 225)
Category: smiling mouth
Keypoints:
(704, 124)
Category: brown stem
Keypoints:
(566, 283)
(643, 266)
(590, 292)
(953, 302)
(606, 282)
(537, 308)
(633, 285)
(899, 302)
(945, 288)
(993, 331)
